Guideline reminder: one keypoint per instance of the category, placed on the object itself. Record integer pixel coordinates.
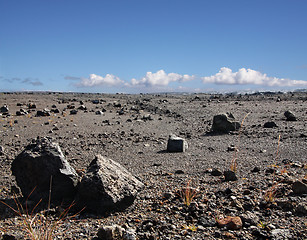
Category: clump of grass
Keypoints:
(191, 228)
(39, 226)
(271, 193)
(188, 194)
(234, 163)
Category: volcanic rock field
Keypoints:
(185, 195)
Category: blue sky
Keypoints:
(135, 46)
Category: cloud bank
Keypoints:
(248, 76)
(96, 80)
(160, 78)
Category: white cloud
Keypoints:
(96, 80)
(249, 76)
(160, 78)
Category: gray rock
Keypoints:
(289, 116)
(281, 234)
(115, 232)
(249, 218)
(299, 187)
(34, 167)
(224, 123)
(176, 144)
(107, 186)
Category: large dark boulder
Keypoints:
(107, 186)
(37, 164)
(224, 123)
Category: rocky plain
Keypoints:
(246, 182)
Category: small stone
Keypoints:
(179, 172)
(299, 187)
(207, 221)
(8, 237)
(301, 209)
(290, 116)
(231, 223)
(176, 144)
(230, 176)
(270, 125)
(255, 169)
(4, 109)
(73, 112)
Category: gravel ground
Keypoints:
(134, 129)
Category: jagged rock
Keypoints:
(176, 144)
(289, 116)
(115, 232)
(4, 109)
(299, 187)
(96, 101)
(224, 123)
(43, 113)
(35, 165)
(269, 125)
(107, 186)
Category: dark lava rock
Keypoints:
(107, 186)
(31, 105)
(4, 109)
(255, 169)
(270, 125)
(73, 112)
(230, 176)
(40, 163)
(43, 113)
(290, 116)
(299, 187)
(216, 172)
(176, 144)
(224, 123)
